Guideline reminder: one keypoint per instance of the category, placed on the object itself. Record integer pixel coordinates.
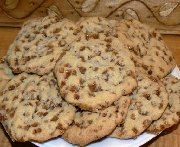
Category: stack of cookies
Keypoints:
(87, 80)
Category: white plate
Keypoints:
(108, 142)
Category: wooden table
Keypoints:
(169, 138)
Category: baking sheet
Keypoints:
(108, 142)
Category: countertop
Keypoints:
(170, 137)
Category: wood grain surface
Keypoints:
(169, 138)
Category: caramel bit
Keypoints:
(61, 70)
(55, 118)
(104, 114)
(170, 59)
(150, 72)
(89, 121)
(62, 43)
(87, 37)
(68, 73)
(12, 112)
(81, 81)
(11, 87)
(82, 70)
(157, 92)
(15, 98)
(82, 59)
(62, 54)
(57, 30)
(36, 32)
(128, 25)
(115, 35)
(135, 130)
(145, 67)
(96, 68)
(35, 124)
(76, 96)
(160, 105)
(108, 40)
(42, 113)
(67, 65)
(146, 123)
(104, 72)
(16, 63)
(46, 26)
(160, 38)
(26, 127)
(154, 34)
(91, 94)
(82, 48)
(147, 96)
(27, 36)
(161, 69)
(95, 36)
(74, 72)
(38, 130)
(92, 87)
(153, 79)
(108, 45)
(70, 28)
(17, 49)
(74, 89)
(62, 84)
(133, 116)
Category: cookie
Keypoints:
(91, 126)
(95, 71)
(147, 47)
(39, 44)
(5, 73)
(172, 85)
(170, 116)
(149, 101)
(31, 108)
